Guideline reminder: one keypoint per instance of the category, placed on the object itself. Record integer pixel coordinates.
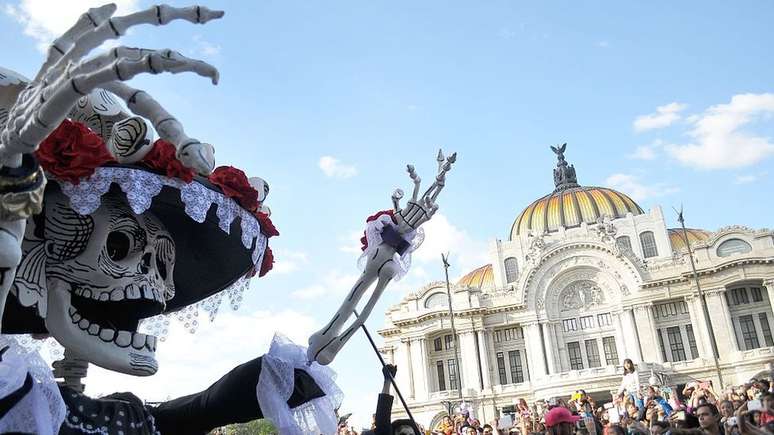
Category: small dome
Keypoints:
(481, 278)
(571, 204)
(694, 236)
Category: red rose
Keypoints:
(373, 217)
(267, 226)
(267, 263)
(72, 152)
(234, 184)
(163, 158)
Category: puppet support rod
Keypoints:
(384, 364)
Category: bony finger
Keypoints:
(207, 14)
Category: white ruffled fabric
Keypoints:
(275, 386)
(42, 409)
(373, 233)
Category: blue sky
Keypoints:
(670, 102)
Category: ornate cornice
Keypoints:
(388, 332)
(688, 275)
(730, 229)
(462, 314)
(422, 291)
(714, 292)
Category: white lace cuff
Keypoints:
(373, 233)
(41, 410)
(275, 386)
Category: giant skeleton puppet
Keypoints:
(127, 228)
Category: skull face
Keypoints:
(105, 272)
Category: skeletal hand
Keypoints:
(380, 264)
(420, 210)
(66, 76)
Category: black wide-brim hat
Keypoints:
(219, 243)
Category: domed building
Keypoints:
(585, 279)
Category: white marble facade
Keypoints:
(564, 301)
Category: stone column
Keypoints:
(469, 365)
(404, 378)
(419, 367)
(561, 356)
(722, 325)
(631, 337)
(646, 328)
(550, 347)
(699, 324)
(537, 365)
(770, 289)
(621, 345)
(484, 356)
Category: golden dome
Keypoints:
(694, 236)
(481, 278)
(571, 204)
(569, 207)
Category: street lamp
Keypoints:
(703, 301)
(458, 373)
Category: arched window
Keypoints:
(733, 246)
(648, 244)
(511, 270)
(436, 300)
(624, 242)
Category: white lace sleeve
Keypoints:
(373, 233)
(275, 385)
(41, 410)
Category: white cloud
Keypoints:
(719, 142)
(664, 117)
(45, 20)
(350, 242)
(631, 185)
(334, 168)
(647, 152)
(744, 179)
(189, 363)
(334, 283)
(441, 236)
(506, 33)
(749, 178)
(288, 261)
(205, 48)
(603, 44)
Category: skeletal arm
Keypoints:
(380, 264)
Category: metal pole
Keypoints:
(703, 301)
(384, 364)
(454, 331)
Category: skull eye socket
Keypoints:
(118, 244)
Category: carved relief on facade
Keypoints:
(536, 247)
(579, 295)
(606, 231)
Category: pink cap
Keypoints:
(560, 415)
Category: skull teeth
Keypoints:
(121, 338)
(131, 292)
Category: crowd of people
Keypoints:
(696, 408)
